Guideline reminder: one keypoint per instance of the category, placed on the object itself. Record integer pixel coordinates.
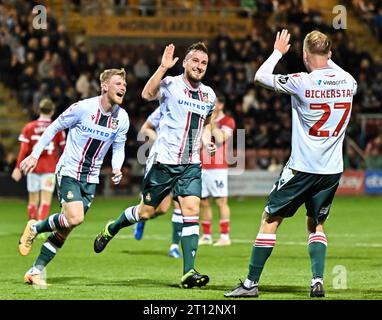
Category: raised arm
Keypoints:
(264, 76)
(151, 89)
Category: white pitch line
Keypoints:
(239, 241)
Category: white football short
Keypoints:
(40, 182)
(214, 183)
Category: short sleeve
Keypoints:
(154, 117)
(25, 135)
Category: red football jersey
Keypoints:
(29, 136)
(219, 159)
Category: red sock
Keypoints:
(224, 226)
(32, 211)
(43, 212)
(206, 225)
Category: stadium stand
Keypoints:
(369, 12)
(64, 65)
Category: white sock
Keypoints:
(131, 214)
(34, 270)
(174, 246)
(224, 236)
(249, 283)
(315, 280)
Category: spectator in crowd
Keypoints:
(373, 152)
(2, 157)
(69, 60)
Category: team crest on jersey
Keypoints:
(148, 197)
(205, 97)
(283, 79)
(70, 195)
(114, 123)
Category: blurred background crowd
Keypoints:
(65, 67)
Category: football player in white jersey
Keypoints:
(174, 165)
(321, 107)
(149, 130)
(95, 124)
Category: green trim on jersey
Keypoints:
(191, 135)
(90, 153)
(192, 131)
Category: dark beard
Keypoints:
(192, 80)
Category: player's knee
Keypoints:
(162, 209)
(146, 213)
(75, 221)
(221, 202)
(205, 203)
(269, 223)
(190, 210)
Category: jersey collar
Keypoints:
(188, 86)
(103, 110)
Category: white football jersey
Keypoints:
(91, 133)
(321, 107)
(154, 118)
(183, 111)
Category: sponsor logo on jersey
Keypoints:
(331, 82)
(192, 104)
(283, 79)
(114, 123)
(98, 132)
(93, 116)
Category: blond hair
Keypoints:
(46, 106)
(108, 73)
(317, 43)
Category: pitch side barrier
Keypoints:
(246, 183)
(260, 183)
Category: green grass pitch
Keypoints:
(141, 270)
